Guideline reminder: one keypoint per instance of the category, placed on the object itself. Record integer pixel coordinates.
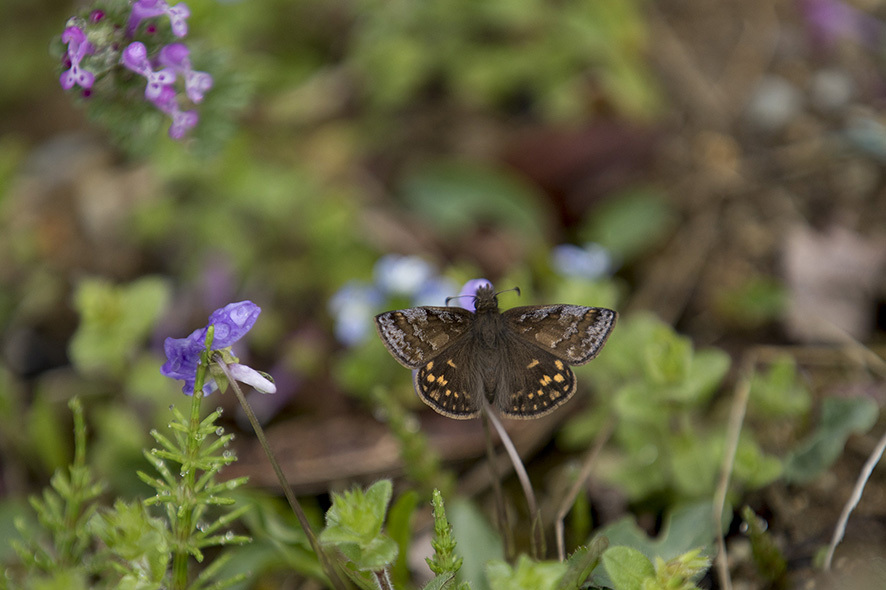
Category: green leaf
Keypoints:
(441, 582)
(526, 575)
(685, 527)
(627, 567)
(630, 223)
(114, 321)
(840, 418)
(456, 196)
(477, 541)
(779, 391)
(706, 373)
(581, 563)
(400, 530)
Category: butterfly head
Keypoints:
(485, 300)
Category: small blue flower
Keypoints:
(402, 275)
(353, 307)
(469, 292)
(591, 262)
(434, 291)
(231, 322)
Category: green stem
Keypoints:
(331, 572)
(184, 525)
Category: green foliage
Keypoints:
(629, 224)
(66, 507)
(684, 528)
(114, 321)
(768, 558)
(444, 559)
(478, 541)
(454, 195)
(840, 418)
(137, 545)
(630, 569)
(491, 54)
(778, 392)
(658, 387)
(354, 526)
(525, 575)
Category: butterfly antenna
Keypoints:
(448, 299)
(517, 289)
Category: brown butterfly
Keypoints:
(519, 359)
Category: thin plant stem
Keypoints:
(522, 477)
(504, 527)
(565, 506)
(854, 499)
(184, 523)
(733, 431)
(383, 579)
(331, 572)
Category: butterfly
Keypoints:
(517, 359)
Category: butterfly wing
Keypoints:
(533, 382)
(570, 333)
(449, 382)
(416, 335)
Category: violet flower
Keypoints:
(78, 48)
(231, 323)
(176, 56)
(143, 9)
(135, 58)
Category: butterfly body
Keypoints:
(518, 360)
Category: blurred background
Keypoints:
(712, 169)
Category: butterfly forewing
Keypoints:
(418, 334)
(571, 333)
(534, 383)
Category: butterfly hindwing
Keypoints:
(535, 383)
(449, 385)
(571, 333)
(416, 335)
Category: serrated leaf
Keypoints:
(627, 567)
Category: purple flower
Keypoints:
(469, 292)
(176, 56)
(78, 48)
(832, 20)
(231, 322)
(135, 58)
(143, 9)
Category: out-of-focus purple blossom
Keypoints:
(176, 56)
(833, 20)
(143, 9)
(402, 275)
(135, 58)
(231, 323)
(590, 262)
(466, 297)
(353, 308)
(78, 48)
